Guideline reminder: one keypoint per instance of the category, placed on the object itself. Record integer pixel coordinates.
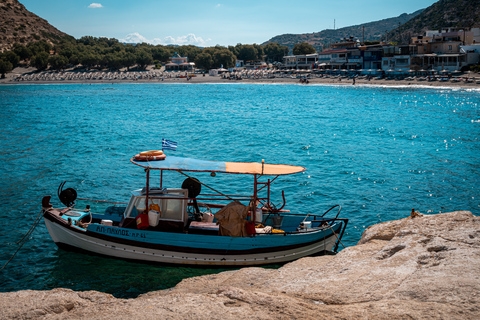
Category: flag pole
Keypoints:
(161, 171)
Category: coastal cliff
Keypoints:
(427, 267)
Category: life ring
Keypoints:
(151, 153)
(139, 157)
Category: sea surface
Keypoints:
(376, 151)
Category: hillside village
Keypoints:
(447, 50)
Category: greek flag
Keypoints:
(169, 145)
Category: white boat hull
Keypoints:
(67, 237)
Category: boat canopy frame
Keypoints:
(182, 165)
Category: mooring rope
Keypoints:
(336, 236)
(25, 238)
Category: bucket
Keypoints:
(207, 217)
(153, 217)
(277, 221)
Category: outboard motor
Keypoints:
(194, 187)
(67, 196)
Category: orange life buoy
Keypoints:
(152, 153)
(139, 157)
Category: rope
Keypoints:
(25, 238)
(33, 226)
(336, 236)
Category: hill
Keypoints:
(442, 14)
(374, 31)
(18, 25)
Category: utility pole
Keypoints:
(363, 38)
(333, 24)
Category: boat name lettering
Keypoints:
(120, 232)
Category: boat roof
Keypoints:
(187, 164)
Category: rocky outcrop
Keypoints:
(426, 267)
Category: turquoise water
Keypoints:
(378, 152)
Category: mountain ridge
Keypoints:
(441, 14)
(374, 31)
(18, 25)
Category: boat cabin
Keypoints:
(173, 214)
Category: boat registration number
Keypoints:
(119, 232)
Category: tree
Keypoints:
(23, 52)
(12, 57)
(247, 53)
(40, 61)
(204, 61)
(74, 60)
(5, 67)
(128, 59)
(89, 59)
(113, 61)
(143, 58)
(303, 48)
(235, 50)
(275, 51)
(260, 52)
(189, 51)
(39, 46)
(161, 53)
(224, 57)
(58, 62)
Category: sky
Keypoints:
(208, 23)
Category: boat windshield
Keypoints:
(172, 205)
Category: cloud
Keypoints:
(95, 5)
(134, 38)
(168, 40)
(218, 5)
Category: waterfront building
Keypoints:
(178, 63)
(372, 57)
(447, 50)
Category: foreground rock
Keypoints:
(422, 268)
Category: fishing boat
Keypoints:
(178, 224)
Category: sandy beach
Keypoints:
(29, 76)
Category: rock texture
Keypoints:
(427, 267)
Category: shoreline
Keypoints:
(169, 78)
(416, 267)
